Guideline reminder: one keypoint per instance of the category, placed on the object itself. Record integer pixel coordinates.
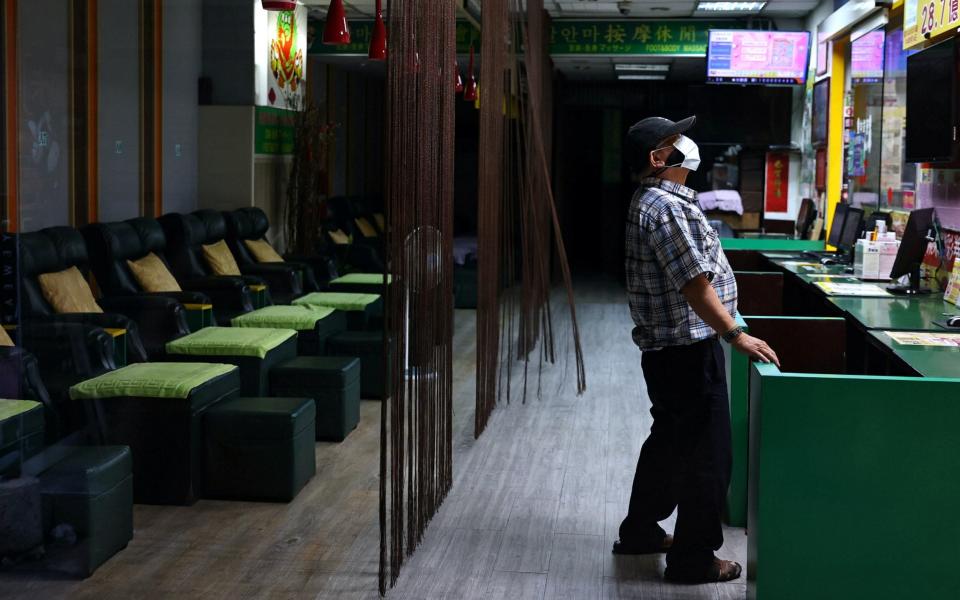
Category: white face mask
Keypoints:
(690, 151)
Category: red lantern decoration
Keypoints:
(378, 41)
(470, 91)
(336, 32)
(459, 80)
(279, 4)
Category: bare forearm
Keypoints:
(704, 301)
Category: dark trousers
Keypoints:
(685, 463)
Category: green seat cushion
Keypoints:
(301, 318)
(362, 278)
(260, 419)
(230, 341)
(315, 372)
(339, 300)
(88, 470)
(15, 408)
(150, 380)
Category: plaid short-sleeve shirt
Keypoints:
(669, 243)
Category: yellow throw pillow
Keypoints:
(220, 260)
(262, 251)
(365, 227)
(68, 292)
(339, 237)
(5, 338)
(153, 275)
(381, 221)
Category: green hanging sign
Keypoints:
(632, 37)
(621, 37)
(273, 131)
(361, 31)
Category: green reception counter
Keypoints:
(853, 486)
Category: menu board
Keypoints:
(758, 57)
(866, 57)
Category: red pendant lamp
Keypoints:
(459, 80)
(279, 4)
(378, 41)
(336, 32)
(470, 91)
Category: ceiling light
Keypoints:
(641, 77)
(641, 67)
(740, 7)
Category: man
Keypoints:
(682, 295)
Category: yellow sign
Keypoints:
(927, 19)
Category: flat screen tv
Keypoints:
(866, 57)
(932, 104)
(821, 113)
(758, 57)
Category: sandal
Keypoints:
(634, 549)
(716, 572)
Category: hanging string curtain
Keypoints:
(517, 220)
(416, 471)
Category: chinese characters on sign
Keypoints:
(778, 178)
(664, 38)
(273, 131)
(632, 37)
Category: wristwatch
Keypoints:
(732, 334)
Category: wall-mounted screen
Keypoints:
(866, 57)
(821, 113)
(758, 57)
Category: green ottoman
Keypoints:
(21, 434)
(91, 491)
(361, 309)
(254, 350)
(313, 324)
(333, 383)
(259, 448)
(157, 409)
(360, 283)
(368, 347)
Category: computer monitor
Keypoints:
(877, 217)
(836, 226)
(852, 226)
(913, 247)
(805, 218)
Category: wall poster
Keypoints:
(280, 57)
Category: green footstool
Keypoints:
(91, 491)
(157, 409)
(313, 324)
(361, 309)
(259, 448)
(368, 347)
(334, 384)
(254, 350)
(21, 434)
(360, 283)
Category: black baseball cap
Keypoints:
(649, 132)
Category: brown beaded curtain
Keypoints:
(491, 196)
(416, 422)
(517, 224)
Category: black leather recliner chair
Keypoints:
(47, 360)
(59, 248)
(285, 279)
(111, 245)
(251, 223)
(185, 234)
(159, 319)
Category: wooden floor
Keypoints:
(533, 512)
